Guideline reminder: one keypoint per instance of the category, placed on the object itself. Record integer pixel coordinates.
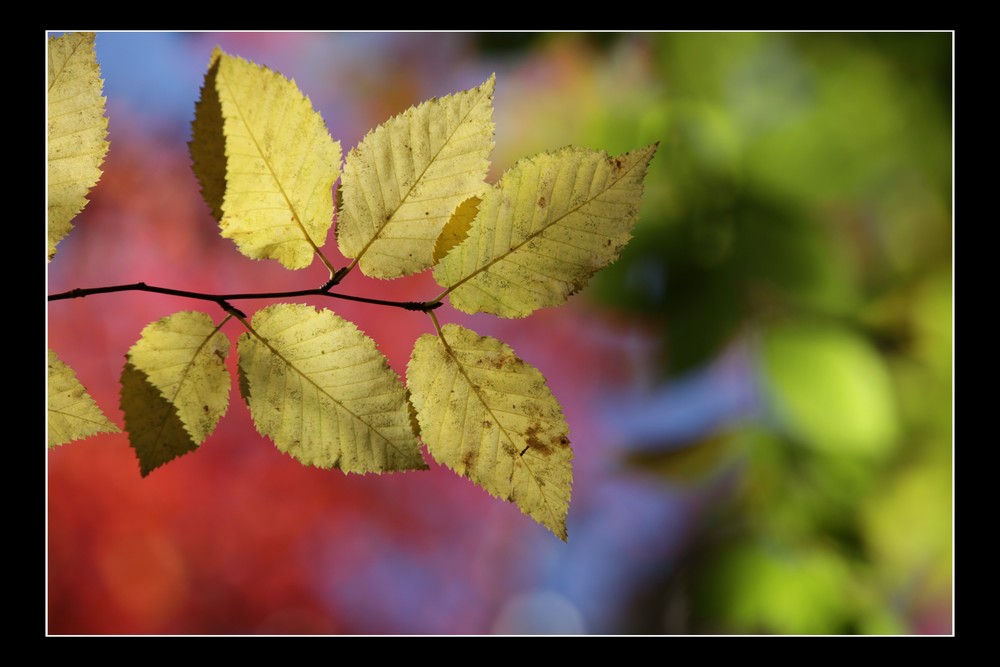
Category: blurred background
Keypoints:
(759, 391)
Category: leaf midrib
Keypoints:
(277, 181)
(70, 415)
(172, 400)
(324, 392)
(66, 62)
(475, 389)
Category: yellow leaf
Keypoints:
(184, 357)
(552, 222)
(457, 228)
(77, 129)
(407, 176)
(175, 387)
(280, 162)
(322, 391)
(489, 416)
(73, 414)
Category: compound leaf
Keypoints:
(324, 394)
(175, 387)
(77, 129)
(552, 222)
(489, 416)
(280, 162)
(73, 414)
(407, 176)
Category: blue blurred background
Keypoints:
(759, 391)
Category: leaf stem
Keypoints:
(447, 347)
(437, 326)
(438, 298)
(336, 277)
(223, 299)
(230, 316)
(319, 253)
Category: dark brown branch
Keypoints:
(223, 299)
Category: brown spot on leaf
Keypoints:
(487, 423)
(531, 409)
(531, 438)
(541, 202)
(469, 460)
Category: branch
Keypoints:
(223, 299)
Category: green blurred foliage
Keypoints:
(759, 587)
(695, 462)
(800, 199)
(797, 171)
(830, 389)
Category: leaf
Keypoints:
(155, 431)
(407, 176)
(489, 416)
(73, 414)
(280, 162)
(552, 222)
(77, 129)
(184, 357)
(457, 229)
(322, 391)
(208, 141)
(175, 387)
(830, 388)
(243, 383)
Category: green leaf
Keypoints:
(73, 414)
(322, 391)
(759, 587)
(175, 387)
(907, 525)
(830, 389)
(489, 416)
(77, 129)
(280, 162)
(407, 176)
(552, 222)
